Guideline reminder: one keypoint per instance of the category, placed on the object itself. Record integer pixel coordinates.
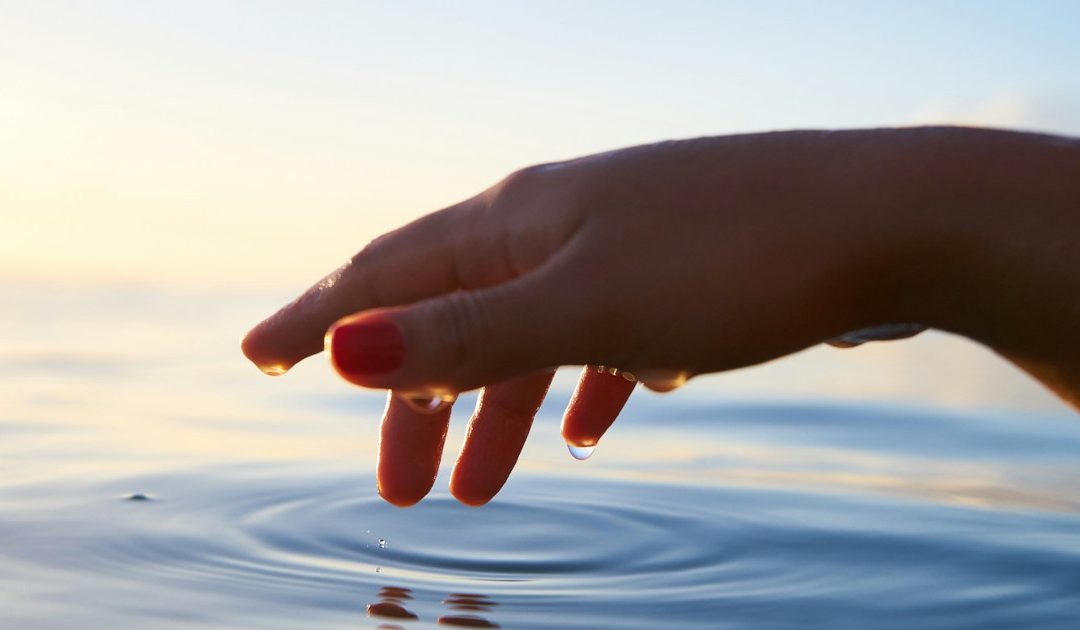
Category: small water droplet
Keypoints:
(580, 452)
(382, 543)
(887, 332)
(603, 369)
(428, 402)
(664, 381)
(274, 369)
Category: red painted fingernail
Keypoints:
(367, 347)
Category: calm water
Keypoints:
(916, 485)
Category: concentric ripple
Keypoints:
(280, 547)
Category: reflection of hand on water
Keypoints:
(463, 606)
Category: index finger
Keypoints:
(412, 263)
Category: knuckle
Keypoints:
(369, 251)
(366, 275)
(461, 330)
(518, 186)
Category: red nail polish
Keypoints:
(367, 347)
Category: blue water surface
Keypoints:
(151, 479)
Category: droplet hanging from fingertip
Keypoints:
(663, 382)
(580, 453)
(273, 369)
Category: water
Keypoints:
(428, 403)
(580, 452)
(153, 479)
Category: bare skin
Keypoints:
(693, 257)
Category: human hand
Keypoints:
(665, 260)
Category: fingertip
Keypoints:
(403, 490)
(473, 487)
(470, 497)
(577, 437)
(400, 500)
(595, 405)
(254, 349)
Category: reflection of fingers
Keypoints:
(496, 434)
(410, 447)
(600, 396)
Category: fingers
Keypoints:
(496, 435)
(410, 449)
(411, 440)
(500, 234)
(463, 340)
(600, 396)
(412, 263)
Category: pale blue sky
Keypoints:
(265, 141)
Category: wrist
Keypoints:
(988, 248)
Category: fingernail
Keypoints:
(367, 347)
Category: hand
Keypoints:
(666, 260)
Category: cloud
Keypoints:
(1014, 110)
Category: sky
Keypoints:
(260, 144)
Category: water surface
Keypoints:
(151, 479)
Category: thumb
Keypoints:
(459, 341)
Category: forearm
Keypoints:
(1000, 225)
(974, 231)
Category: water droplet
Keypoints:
(274, 369)
(580, 452)
(603, 369)
(887, 332)
(428, 402)
(664, 381)
(382, 543)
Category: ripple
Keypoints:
(549, 554)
